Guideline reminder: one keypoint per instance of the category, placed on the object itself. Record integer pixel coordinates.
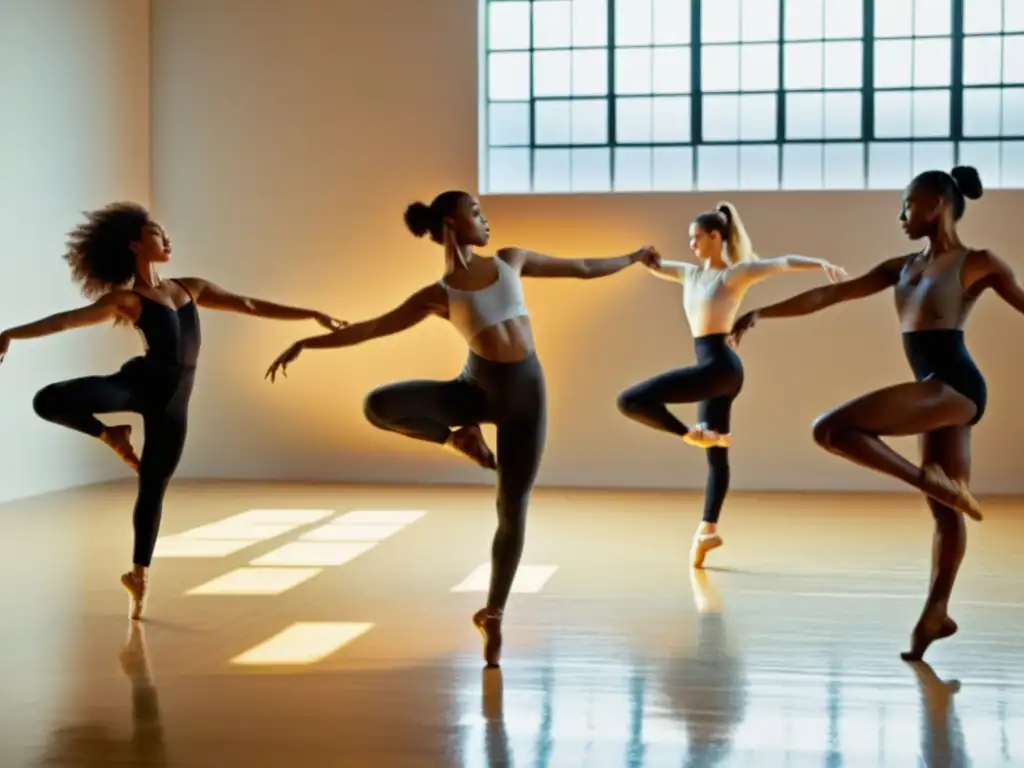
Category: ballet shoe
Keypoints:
(136, 588)
(469, 441)
(927, 632)
(488, 623)
(702, 437)
(119, 439)
(702, 544)
(952, 493)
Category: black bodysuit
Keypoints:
(158, 387)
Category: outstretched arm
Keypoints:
(109, 307)
(414, 310)
(1003, 281)
(212, 296)
(749, 272)
(673, 271)
(532, 264)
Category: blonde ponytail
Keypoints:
(740, 248)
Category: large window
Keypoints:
(680, 95)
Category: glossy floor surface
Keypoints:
(306, 626)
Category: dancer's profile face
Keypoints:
(153, 244)
(922, 209)
(704, 244)
(469, 223)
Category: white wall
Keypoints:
(288, 137)
(74, 134)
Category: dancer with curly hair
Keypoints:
(114, 256)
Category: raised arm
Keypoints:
(431, 300)
(1000, 278)
(532, 264)
(212, 296)
(108, 308)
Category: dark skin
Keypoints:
(151, 249)
(932, 409)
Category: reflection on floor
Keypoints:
(316, 625)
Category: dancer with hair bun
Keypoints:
(712, 292)
(502, 382)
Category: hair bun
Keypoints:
(968, 180)
(418, 218)
(726, 210)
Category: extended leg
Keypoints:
(75, 403)
(717, 414)
(950, 449)
(427, 410)
(853, 430)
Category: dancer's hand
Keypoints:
(5, 343)
(648, 256)
(328, 322)
(283, 360)
(741, 326)
(834, 273)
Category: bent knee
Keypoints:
(630, 402)
(825, 430)
(375, 406)
(46, 402)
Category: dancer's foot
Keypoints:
(137, 587)
(952, 493)
(702, 437)
(927, 632)
(120, 441)
(488, 622)
(702, 544)
(469, 441)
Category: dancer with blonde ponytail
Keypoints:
(712, 292)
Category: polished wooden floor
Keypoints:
(306, 626)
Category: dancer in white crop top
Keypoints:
(502, 382)
(712, 292)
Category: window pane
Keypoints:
(633, 169)
(552, 120)
(671, 22)
(591, 170)
(894, 18)
(590, 72)
(720, 67)
(759, 167)
(508, 124)
(633, 120)
(983, 155)
(672, 119)
(1013, 16)
(983, 60)
(888, 165)
(551, 171)
(759, 67)
(931, 156)
(723, 24)
(1013, 59)
(931, 114)
(508, 25)
(804, 115)
(673, 169)
(551, 73)
(508, 170)
(803, 65)
(805, 19)
(802, 166)
(932, 17)
(892, 114)
(844, 166)
(844, 19)
(843, 115)
(633, 22)
(932, 61)
(633, 70)
(590, 121)
(1013, 112)
(893, 64)
(757, 117)
(843, 65)
(508, 76)
(983, 16)
(552, 24)
(717, 167)
(759, 20)
(671, 70)
(1013, 165)
(589, 22)
(982, 108)
(721, 118)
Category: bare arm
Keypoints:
(874, 281)
(674, 271)
(1001, 279)
(212, 296)
(749, 272)
(103, 310)
(533, 264)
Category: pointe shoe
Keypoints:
(119, 440)
(964, 501)
(136, 589)
(469, 441)
(702, 437)
(702, 544)
(488, 623)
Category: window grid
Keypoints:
(915, 138)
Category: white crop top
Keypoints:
(712, 297)
(474, 311)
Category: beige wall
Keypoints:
(288, 137)
(74, 133)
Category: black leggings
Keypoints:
(511, 396)
(714, 382)
(160, 394)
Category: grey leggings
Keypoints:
(511, 396)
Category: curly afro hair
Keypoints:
(99, 251)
